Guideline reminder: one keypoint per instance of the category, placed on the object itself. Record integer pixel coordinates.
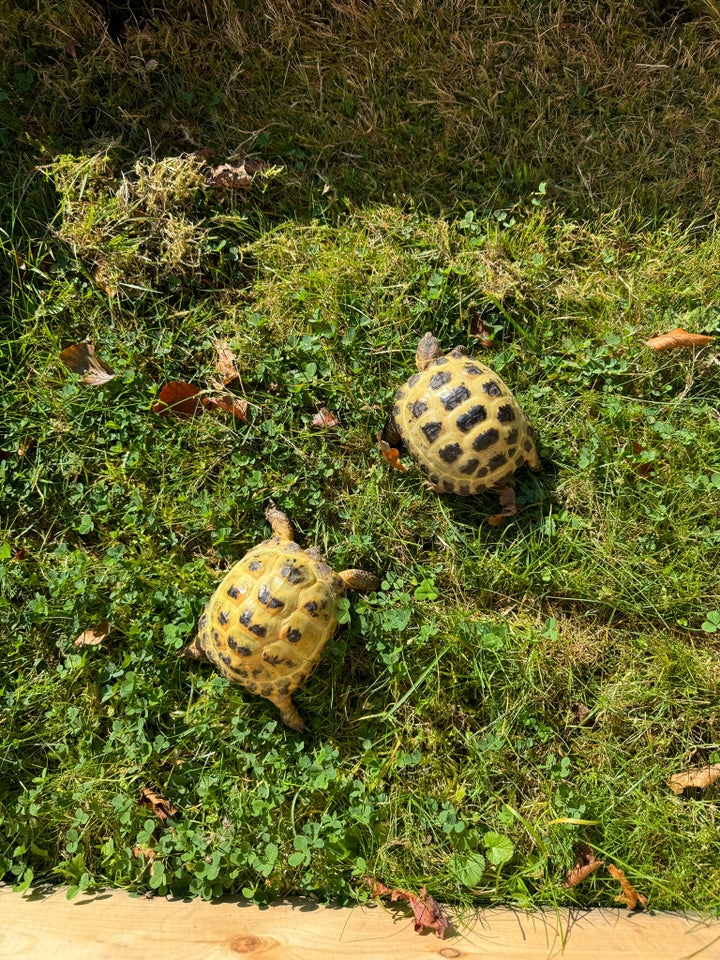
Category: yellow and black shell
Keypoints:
(267, 623)
(462, 425)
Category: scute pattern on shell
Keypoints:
(267, 623)
(463, 426)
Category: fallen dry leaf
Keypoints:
(81, 359)
(26, 446)
(425, 907)
(645, 467)
(583, 712)
(478, 330)
(509, 504)
(585, 864)
(235, 176)
(324, 420)
(629, 896)
(225, 362)
(230, 403)
(179, 398)
(93, 635)
(391, 454)
(161, 807)
(678, 338)
(147, 853)
(697, 777)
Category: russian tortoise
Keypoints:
(461, 424)
(267, 623)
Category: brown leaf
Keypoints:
(585, 864)
(70, 47)
(479, 331)
(93, 635)
(148, 853)
(678, 338)
(391, 454)
(81, 359)
(629, 896)
(179, 398)
(583, 712)
(161, 807)
(225, 362)
(25, 446)
(425, 907)
(644, 468)
(235, 176)
(509, 504)
(230, 403)
(696, 777)
(324, 420)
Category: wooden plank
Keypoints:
(115, 926)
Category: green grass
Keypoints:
(444, 746)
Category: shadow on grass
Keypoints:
(442, 106)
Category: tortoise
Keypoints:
(267, 623)
(461, 424)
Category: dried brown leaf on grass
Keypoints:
(80, 358)
(235, 176)
(629, 896)
(230, 403)
(93, 635)
(696, 777)
(425, 907)
(509, 504)
(585, 864)
(325, 420)
(678, 338)
(225, 362)
(158, 805)
(179, 398)
(148, 853)
(391, 454)
(479, 331)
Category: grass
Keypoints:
(445, 742)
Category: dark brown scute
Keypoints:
(512, 436)
(294, 635)
(255, 565)
(469, 467)
(419, 408)
(466, 421)
(233, 592)
(455, 397)
(258, 630)
(432, 431)
(450, 453)
(440, 379)
(486, 439)
(497, 461)
(505, 413)
(492, 389)
(223, 618)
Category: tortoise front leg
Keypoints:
(279, 522)
(359, 580)
(288, 711)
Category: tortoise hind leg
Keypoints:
(288, 711)
(279, 522)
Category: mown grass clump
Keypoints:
(509, 692)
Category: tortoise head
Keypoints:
(429, 349)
